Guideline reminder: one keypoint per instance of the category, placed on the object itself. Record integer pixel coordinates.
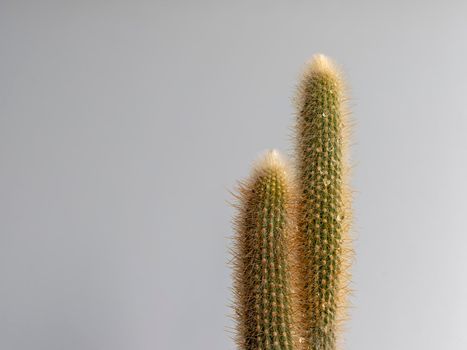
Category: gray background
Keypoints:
(123, 125)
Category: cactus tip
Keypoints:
(271, 159)
(321, 64)
(318, 69)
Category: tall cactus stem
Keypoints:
(261, 257)
(324, 214)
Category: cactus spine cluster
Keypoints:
(262, 281)
(292, 248)
(324, 212)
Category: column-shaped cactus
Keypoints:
(324, 214)
(261, 257)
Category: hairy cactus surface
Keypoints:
(292, 247)
(324, 211)
(261, 257)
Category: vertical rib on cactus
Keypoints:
(261, 275)
(324, 208)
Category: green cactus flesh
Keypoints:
(262, 285)
(323, 209)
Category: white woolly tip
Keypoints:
(270, 160)
(321, 64)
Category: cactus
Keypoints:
(261, 275)
(324, 204)
(292, 247)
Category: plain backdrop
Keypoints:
(125, 124)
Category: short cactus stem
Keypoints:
(261, 258)
(324, 211)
